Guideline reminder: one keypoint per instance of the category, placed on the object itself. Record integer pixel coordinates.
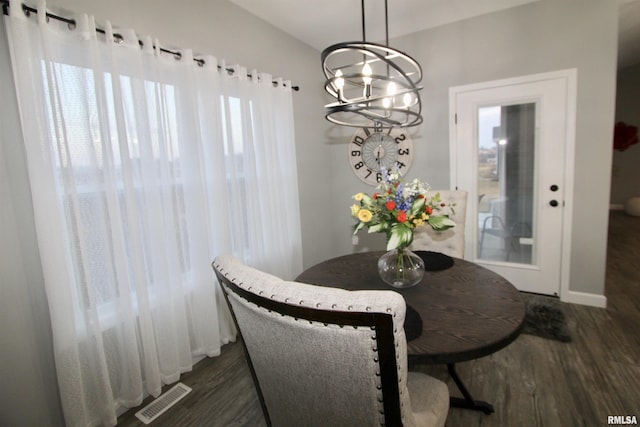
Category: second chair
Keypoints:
(450, 242)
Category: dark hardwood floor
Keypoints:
(532, 382)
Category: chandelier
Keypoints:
(374, 85)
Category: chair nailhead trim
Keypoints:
(374, 347)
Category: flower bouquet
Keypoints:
(397, 208)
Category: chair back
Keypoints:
(320, 356)
(450, 242)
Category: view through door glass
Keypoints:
(506, 183)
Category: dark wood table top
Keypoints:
(467, 310)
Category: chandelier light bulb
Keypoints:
(366, 78)
(339, 80)
(366, 74)
(407, 100)
(391, 91)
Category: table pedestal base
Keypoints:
(467, 402)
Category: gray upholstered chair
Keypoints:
(450, 242)
(322, 356)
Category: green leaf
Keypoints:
(377, 228)
(359, 226)
(367, 201)
(400, 236)
(417, 207)
(441, 223)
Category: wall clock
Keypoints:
(372, 149)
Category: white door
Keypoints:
(512, 150)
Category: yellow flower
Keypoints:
(418, 222)
(354, 210)
(358, 197)
(364, 215)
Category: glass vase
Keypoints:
(401, 268)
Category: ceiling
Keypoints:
(340, 20)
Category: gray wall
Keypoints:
(625, 174)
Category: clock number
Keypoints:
(400, 165)
(403, 151)
(358, 165)
(378, 127)
(400, 138)
(379, 176)
(369, 172)
(358, 140)
(356, 153)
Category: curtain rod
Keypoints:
(72, 24)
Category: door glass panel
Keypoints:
(506, 183)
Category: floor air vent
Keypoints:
(165, 401)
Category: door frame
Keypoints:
(570, 76)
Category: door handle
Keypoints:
(553, 203)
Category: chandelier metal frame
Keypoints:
(374, 85)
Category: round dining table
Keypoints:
(459, 311)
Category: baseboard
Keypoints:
(583, 298)
(616, 207)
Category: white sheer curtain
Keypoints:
(143, 167)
